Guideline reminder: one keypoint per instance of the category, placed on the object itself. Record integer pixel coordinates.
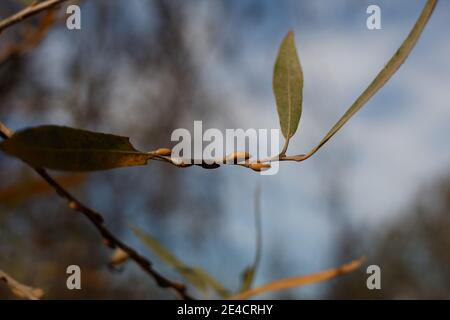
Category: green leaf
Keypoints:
(164, 254)
(69, 149)
(385, 74)
(249, 273)
(247, 278)
(213, 283)
(288, 86)
(196, 276)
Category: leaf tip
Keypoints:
(289, 37)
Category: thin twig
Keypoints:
(97, 220)
(29, 11)
(21, 290)
(32, 37)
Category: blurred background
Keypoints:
(142, 68)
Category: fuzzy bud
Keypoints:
(259, 166)
(237, 156)
(119, 257)
(163, 152)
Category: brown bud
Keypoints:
(119, 256)
(237, 156)
(38, 293)
(259, 166)
(107, 243)
(163, 152)
(74, 205)
(178, 162)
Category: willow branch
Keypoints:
(96, 219)
(32, 37)
(379, 81)
(29, 11)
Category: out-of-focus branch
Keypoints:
(5, 132)
(33, 36)
(97, 220)
(21, 290)
(29, 11)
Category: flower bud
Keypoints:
(177, 161)
(74, 205)
(259, 166)
(119, 256)
(163, 152)
(237, 156)
(38, 293)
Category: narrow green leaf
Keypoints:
(196, 276)
(249, 273)
(213, 283)
(288, 86)
(164, 254)
(69, 149)
(385, 74)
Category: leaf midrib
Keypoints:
(289, 98)
(71, 150)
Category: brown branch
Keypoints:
(33, 36)
(97, 220)
(21, 290)
(29, 11)
(5, 132)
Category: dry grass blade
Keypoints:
(293, 282)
